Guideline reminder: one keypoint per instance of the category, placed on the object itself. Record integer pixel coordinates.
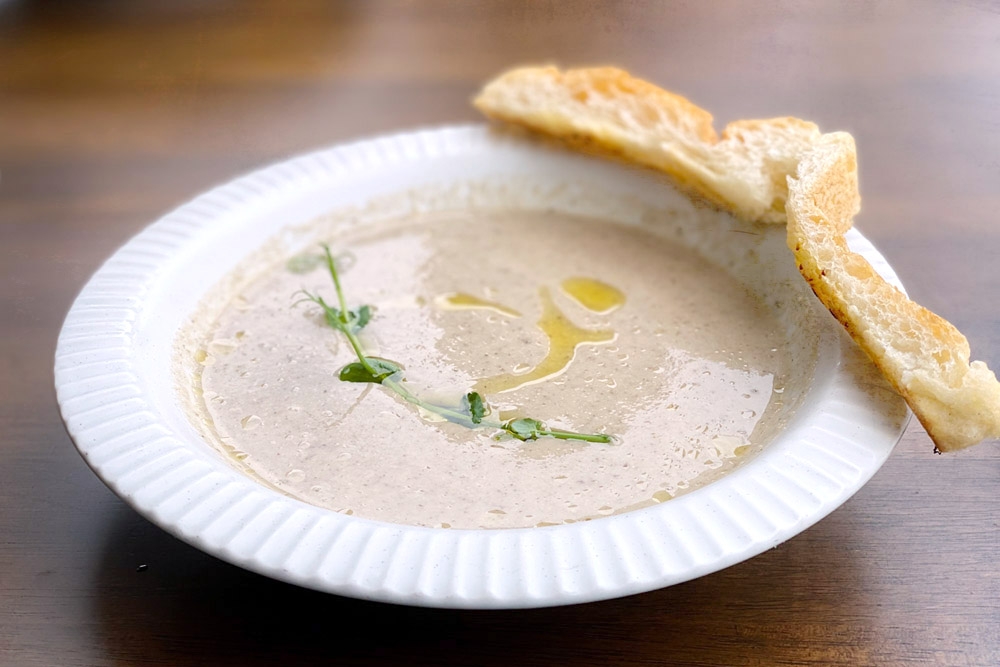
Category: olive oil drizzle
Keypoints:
(463, 301)
(564, 340)
(594, 295)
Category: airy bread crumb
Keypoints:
(781, 170)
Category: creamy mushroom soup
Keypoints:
(585, 325)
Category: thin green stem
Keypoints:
(449, 414)
(351, 338)
(336, 283)
(570, 435)
(356, 344)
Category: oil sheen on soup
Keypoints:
(585, 325)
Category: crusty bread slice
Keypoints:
(923, 356)
(604, 108)
(778, 170)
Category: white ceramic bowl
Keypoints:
(116, 390)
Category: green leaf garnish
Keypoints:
(332, 316)
(387, 373)
(476, 408)
(524, 428)
(304, 263)
(374, 371)
(362, 317)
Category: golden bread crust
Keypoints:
(780, 170)
(924, 357)
(607, 110)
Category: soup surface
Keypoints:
(583, 324)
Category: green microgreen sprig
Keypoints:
(471, 411)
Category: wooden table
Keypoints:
(111, 113)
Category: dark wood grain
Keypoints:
(113, 112)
